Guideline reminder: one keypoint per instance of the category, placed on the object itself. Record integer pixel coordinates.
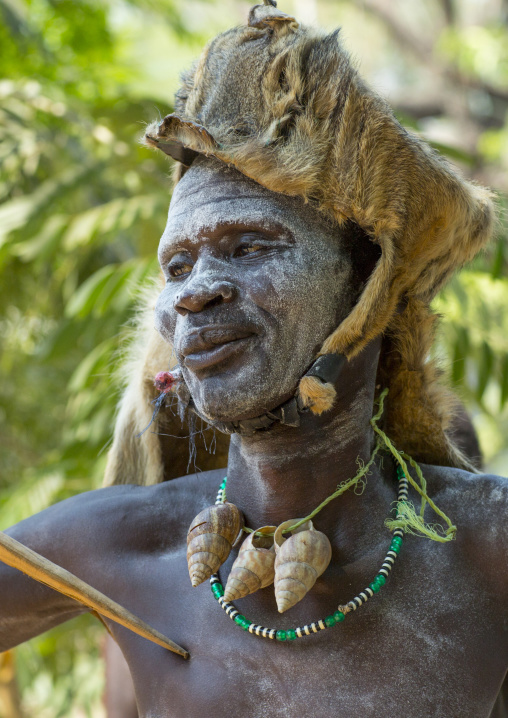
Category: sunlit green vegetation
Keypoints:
(82, 205)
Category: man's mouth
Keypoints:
(211, 345)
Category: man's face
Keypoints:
(255, 281)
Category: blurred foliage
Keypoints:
(82, 206)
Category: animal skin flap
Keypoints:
(262, 15)
(176, 150)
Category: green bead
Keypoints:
(281, 635)
(395, 547)
(330, 621)
(380, 579)
(245, 625)
(374, 586)
(339, 616)
(397, 540)
(218, 589)
(239, 619)
(290, 635)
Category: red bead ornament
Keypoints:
(165, 381)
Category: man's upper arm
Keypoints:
(77, 534)
(487, 509)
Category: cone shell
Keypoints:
(254, 566)
(210, 538)
(300, 560)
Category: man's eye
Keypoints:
(247, 249)
(179, 270)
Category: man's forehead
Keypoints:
(210, 174)
(212, 194)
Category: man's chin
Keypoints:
(222, 413)
(238, 406)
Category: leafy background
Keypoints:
(82, 206)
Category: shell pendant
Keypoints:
(254, 566)
(210, 539)
(300, 560)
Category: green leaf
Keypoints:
(460, 353)
(44, 242)
(119, 214)
(112, 290)
(83, 301)
(96, 360)
(503, 381)
(498, 261)
(485, 369)
(17, 212)
(29, 497)
(61, 341)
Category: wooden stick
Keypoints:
(18, 556)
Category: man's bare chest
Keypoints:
(426, 646)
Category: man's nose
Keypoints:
(202, 295)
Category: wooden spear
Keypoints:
(18, 556)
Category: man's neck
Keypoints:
(285, 473)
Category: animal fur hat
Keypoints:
(284, 105)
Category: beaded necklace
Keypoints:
(339, 615)
(407, 520)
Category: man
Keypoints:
(305, 239)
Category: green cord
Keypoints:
(407, 518)
(340, 490)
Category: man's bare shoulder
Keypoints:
(478, 506)
(151, 518)
(474, 495)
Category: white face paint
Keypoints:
(240, 259)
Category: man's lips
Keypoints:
(210, 345)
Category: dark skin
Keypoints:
(431, 643)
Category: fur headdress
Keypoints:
(284, 105)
